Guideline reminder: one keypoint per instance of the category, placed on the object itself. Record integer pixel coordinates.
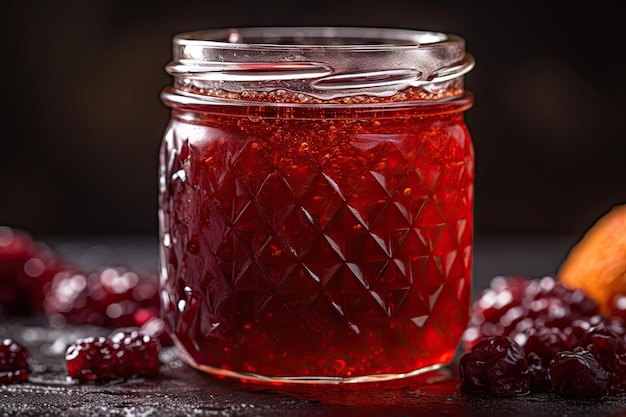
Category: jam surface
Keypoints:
(317, 243)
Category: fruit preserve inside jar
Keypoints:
(316, 203)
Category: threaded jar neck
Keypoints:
(319, 65)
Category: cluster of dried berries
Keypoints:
(34, 279)
(123, 355)
(536, 335)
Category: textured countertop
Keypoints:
(182, 391)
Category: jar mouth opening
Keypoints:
(325, 63)
(335, 38)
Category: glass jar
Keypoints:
(316, 203)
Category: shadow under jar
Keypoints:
(316, 203)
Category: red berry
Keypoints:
(577, 374)
(546, 342)
(144, 349)
(84, 356)
(14, 359)
(495, 365)
(608, 347)
(111, 297)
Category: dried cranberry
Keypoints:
(144, 351)
(121, 356)
(546, 342)
(14, 362)
(577, 374)
(26, 269)
(495, 365)
(608, 348)
(579, 327)
(603, 343)
(84, 357)
(111, 297)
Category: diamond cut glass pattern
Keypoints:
(322, 245)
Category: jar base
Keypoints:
(310, 380)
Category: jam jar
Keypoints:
(316, 202)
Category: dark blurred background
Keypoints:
(82, 118)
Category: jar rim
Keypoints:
(351, 38)
(322, 62)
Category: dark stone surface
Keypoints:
(182, 391)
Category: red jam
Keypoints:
(312, 241)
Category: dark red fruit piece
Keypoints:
(123, 355)
(144, 351)
(579, 327)
(14, 358)
(603, 343)
(546, 342)
(577, 374)
(111, 297)
(85, 358)
(609, 349)
(26, 269)
(495, 365)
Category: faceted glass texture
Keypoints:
(329, 244)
